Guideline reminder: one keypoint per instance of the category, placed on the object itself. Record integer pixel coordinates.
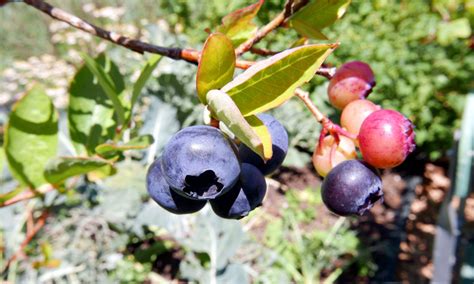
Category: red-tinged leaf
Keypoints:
(312, 18)
(216, 65)
(271, 82)
(238, 25)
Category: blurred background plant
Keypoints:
(108, 231)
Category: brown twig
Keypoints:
(28, 194)
(279, 20)
(262, 51)
(30, 234)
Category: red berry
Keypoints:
(386, 138)
(353, 80)
(323, 162)
(355, 113)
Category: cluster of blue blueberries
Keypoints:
(200, 164)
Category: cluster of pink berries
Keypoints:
(383, 137)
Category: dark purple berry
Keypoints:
(351, 188)
(279, 146)
(162, 194)
(200, 162)
(244, 197)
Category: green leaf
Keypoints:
(271, 82)
(108, 85)
(216, 65)
(90, 111)
(31, 137)
(59, 169)
(2, 160)
(311, 19)
(144, 76)
(448, 32)
(238, 26)
(137, 143)
(250, 130)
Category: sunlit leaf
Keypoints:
(59, 169)
(250, 130)
(90, 111)
(238, 24)
(108, 85)
(144, 76)
(137, 143)
(216, 65)
(271, 82)
(31, 137)
(312, 18)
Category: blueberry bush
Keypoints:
(139, 152)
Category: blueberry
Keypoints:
(352, 187)
(279, 146)
(200, 162)
(162, 194)
(245, 196)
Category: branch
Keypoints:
(189, 55)
(28, 194)
(290, 9)
(30, 234)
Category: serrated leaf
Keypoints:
(144, 76)
(59, 169)
(137, 143)
(31, 137)
(216, 65)
(312, 18)
(90, 111)
(250, 130)
(271, 82)
(238, 26)
(108, 85)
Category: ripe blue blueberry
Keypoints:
(200, 162)
(279, 146)
(160, 191)
(244, 197)
(352, 187)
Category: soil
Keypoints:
(399, 232)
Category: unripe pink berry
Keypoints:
(355, 113)
(323, 162)
(353, 80)
(386, 137)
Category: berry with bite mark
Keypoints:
(328, 155)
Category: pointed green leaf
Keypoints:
(137, 143)
(271, 82)
(144, 76)
(108, 85)
(238, 26)
(216, 65)
(59, 169)
(90, 111)
(311, 19)
(250, 130)
(31, 137)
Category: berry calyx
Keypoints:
(351, 188)
(352, 81)
(328, 154)
(160, 191)
(386, 137)
(200, 162)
